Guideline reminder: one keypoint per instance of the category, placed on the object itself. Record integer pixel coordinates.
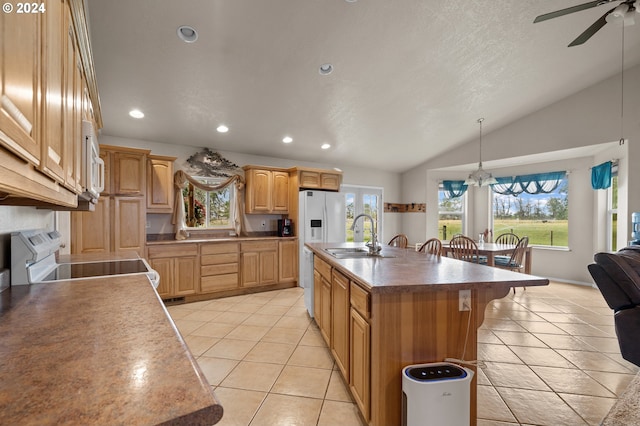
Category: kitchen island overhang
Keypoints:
(414, 317)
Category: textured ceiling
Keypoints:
(410, 76)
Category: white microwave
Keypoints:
(92, 164)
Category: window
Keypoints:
(450, 214)
(362, 200)
(612, 213)
(209, 209)
(542, 217)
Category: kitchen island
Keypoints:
(380, 314)
(97, 351)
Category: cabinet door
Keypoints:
(250, 269)
(288, 261)
(164, 267)
(340, 321)
(20, 47)
(325, 317)
(330, 181)
(129, 177)
(128, 225)
(317, 295)
(91, 231)
(185, 278)
(360, 362)
(259, 191)
(309, 179)
(268, 267)
(56, 60)
(160, 190)
(280, 201)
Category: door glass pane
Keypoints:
(362, 200)
(350, 205)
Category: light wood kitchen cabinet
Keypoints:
(319, 179)
(91, 231)
(125, 183)
(287, 260)
(340, 321)
(21, 63)
(44, 60)
(360, 350)
(160, 190)
(266, 191)
(219, 267)
(259, 262)
(322, 297)
(177, 265)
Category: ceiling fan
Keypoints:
(623, 13)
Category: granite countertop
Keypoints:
(97, 351)
(410, 271)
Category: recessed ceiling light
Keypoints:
(325, 69)
(187, 34)
(351, 1)
(287, 139)
(325, 146)
(222, 128)
(136, 113)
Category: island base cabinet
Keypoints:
(360, 362)
(340, 321)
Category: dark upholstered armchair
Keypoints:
(617, 275)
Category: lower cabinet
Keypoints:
(360, 350)
(340, 321)
(322, 298)
(219, 267)
(287, 260)
(177, 265)
(259, 262)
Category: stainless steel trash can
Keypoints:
(436, 394)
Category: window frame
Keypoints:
(191, 190)
(462, 213)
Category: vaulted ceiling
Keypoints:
(409, 80)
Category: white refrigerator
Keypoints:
(321, 219)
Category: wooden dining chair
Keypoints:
(464, 248)
(507, 238)
(399, 240)
(515, 261)
(431, 246)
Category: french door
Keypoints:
(362, 199)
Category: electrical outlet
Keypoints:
(264, 224)
(148, 224)
(464, 300)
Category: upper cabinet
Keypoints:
(328, 180)
(267, 190)
(46, 69)
(160, 192)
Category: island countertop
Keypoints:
(405, 270)
(97, 351)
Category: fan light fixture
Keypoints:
(480, 177)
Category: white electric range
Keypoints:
(33, 260)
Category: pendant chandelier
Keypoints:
(480, 177)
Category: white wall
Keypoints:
(590, 117)
(16, 219)
(390, 182)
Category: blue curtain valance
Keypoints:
(537, 183)
(601, 176)
(454, 188)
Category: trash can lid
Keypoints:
(425, 373)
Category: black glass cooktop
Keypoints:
(70, 271)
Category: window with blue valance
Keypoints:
(454, 188)
(601, 175)
(537, 183)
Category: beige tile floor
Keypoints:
(550, 358)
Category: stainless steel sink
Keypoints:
(352, 252)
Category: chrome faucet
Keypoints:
(374, 247)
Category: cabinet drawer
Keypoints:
(259, 246)
(173, 250)
(218, 282)
(218, 248)
(218, 259)
(227, 268)
(322, 267)
(360, 300)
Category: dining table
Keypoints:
(493, 249)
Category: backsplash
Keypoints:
(13, 218)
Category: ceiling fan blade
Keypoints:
(572, 9)
(594, 28)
